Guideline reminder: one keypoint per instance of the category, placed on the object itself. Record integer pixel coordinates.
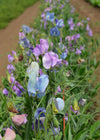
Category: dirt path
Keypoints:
(9, 36)
(85, 10)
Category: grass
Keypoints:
(10, 9)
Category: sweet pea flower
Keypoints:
(21, 35)
(36, 85)
(59, 23)
(50, 59)
(40, 112)
(78, 51)
(26, 29)
(24, 43)
(9, 135)
(58, 89)
(10, 68)
(54, 31)
(10, 58)
(50, 16)
(58, 102)
(5, 92)
(19, 119)
(63, 55)
(41, 48)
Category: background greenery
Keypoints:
(10, 9)
(95, 2)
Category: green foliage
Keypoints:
(12, 9)
(95, 2)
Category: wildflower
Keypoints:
(26, 29)
(78, 51)
(10, 68)
(36, 85)
(58, 89)
(82, 102)
(5, 92)
(9, 135)
(10, 58)
(49, 16)
(54, 31)
(41, 48)
(59, 23)
(40, 112)
(63, 55)
(50, 59)
(19, 119)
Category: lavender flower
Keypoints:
(54, 31)
(5, 92)
(10, 58)
(10, 68)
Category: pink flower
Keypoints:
(9, 134)
(19, 119)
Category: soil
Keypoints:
(9, 35)
(85, 9)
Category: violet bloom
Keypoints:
(21, 35)
(49, 16)
(54, 31)
(59, 23)
(24, 43)
(82, 102)
(5, 92)
(71, 24)
(26, 29)
(19, 86)
(58, 89)
(78, 52)
(10, 58)
(43, 15)
(10, 68)
(74, 111)
(65, 62)
(41, 48)
(40, 112)
(16, 90)
(63, 55)
(50, 59)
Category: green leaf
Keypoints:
(69, 134)
(94, 128)
(18, 137)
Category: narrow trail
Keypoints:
(9, 35)
(85, 10)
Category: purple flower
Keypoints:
(54, 31)
(10, 68)
(26, 29)
(40, 112)
(50, 16)
(75, 112)
(78, 52)
(65, 62)
(10, 58)
(60, 23)
(5, 92)
(90, 33)
(50, 59)
(82, 102)
(19, 86)
(41, 48)
(71, 24)
(63, 55)
(16, 90)
(58, 89)
(12, 79)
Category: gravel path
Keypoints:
(9, 35)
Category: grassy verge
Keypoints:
(94, 2)
(12, 9)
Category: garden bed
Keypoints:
(48, 89)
